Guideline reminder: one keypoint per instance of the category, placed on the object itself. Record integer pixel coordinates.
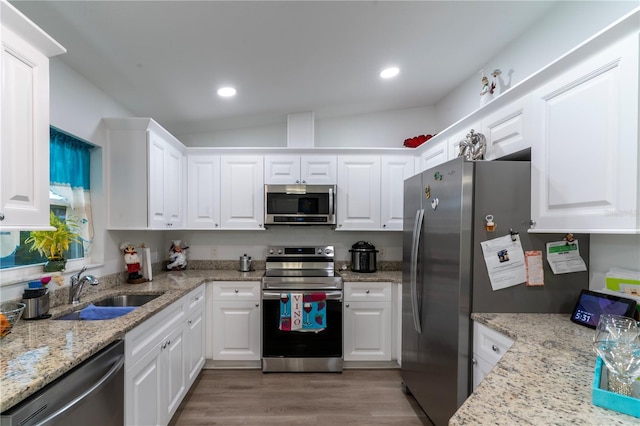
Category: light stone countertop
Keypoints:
(37, 352)
(546, 377)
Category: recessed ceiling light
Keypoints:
(226, 92)
(389, 72)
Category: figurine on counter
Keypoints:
(132, 263)
(177, 256)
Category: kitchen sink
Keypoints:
(116, 302)
(127, 300)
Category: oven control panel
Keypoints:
(300, 251)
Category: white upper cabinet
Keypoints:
(166, 183)
(281, 169)
(358, 190)
(508, 130)
(24, 120)
(585, 158)
(300, 169)
(319, 169)
(242, 192)
(370, 191)
(203, 191)
(435, 154)
(395, 169)
(146, 175)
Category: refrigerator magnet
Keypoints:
(490, 226)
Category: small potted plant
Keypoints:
(53, 244)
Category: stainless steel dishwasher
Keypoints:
(90, 394)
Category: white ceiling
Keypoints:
(165, 59)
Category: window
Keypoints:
(69, 195)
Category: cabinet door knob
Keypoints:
(304, 181)
(236, 291)
(346, 305)
(368, 291)
(189, 322)
(257, 305)
(297, 181)
(495, 348)
(532, 224)
(474, 361)
(1, 216)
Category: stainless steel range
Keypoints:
(307, 271)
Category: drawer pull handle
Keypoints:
(237, 290)
(495, 348)
(367, 291)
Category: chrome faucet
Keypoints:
(77, 283)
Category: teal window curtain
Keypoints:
(69, 162)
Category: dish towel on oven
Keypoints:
(303, 311)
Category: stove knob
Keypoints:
(328, 251)
(319, 251)
(270, 251)
(279, 251)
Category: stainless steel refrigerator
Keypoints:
(445, 278)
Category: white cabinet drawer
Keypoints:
(489, 344)
(367, 292)
(144, 337)
(236, 290)
(195, 299)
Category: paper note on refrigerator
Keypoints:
(504, 258)
(535, 269)
(564, 257)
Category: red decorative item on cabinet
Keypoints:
(416, 141)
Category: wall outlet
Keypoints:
(381, 253)
(214, 252)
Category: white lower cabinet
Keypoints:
(235, 321)
(367, 321)
(161, 358)
(195, 337)
(489, 347)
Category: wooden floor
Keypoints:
(250, 397)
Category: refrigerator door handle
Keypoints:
(417, 231)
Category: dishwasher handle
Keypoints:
(93, 389)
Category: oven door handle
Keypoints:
(271, 295)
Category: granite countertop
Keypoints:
(546, 377)
(37, 352)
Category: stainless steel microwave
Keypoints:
(300, 204)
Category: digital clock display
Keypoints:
(591, 305)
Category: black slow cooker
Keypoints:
(363, 257)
